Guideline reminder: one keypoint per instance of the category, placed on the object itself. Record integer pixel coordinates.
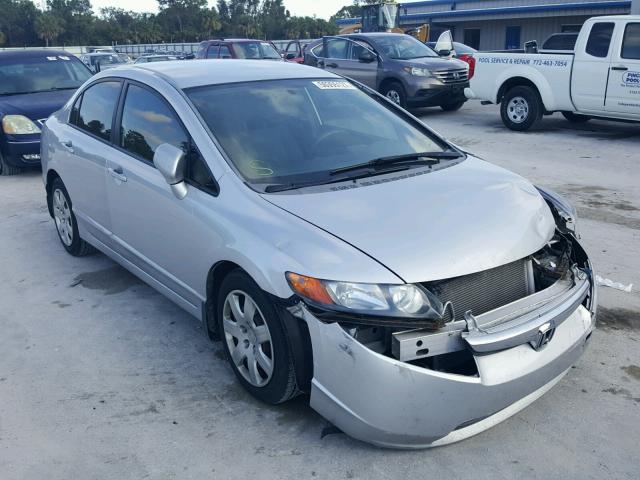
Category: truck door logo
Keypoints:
(631, 79)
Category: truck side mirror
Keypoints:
(290, 56)
(170, 161)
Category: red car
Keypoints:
(294, 52)
(239, 48)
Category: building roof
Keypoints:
(197, 73)
(458, 10)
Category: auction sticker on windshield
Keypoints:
(334, 85)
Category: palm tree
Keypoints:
(49, 27)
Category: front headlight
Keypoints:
(19, 125)
(413, 303)
(417, 72)
(563, 210)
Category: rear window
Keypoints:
(41, 74)
(600, 39)
(631, 42)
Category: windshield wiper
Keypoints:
(424, 158)
(294, 186)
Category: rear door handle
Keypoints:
(331, 65)
(620, 68)
(118, 174)
(68, 145)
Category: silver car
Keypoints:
(334, 244)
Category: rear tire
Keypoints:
(576, 117)
(7, 170)
(521, 108)
(254, 340)
(65, 221)
(394, 91)
(452, 107)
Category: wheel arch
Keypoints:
(297, 330)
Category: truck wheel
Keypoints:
(254, 340)
(452, 107)
(521, 108)
(394, 91)
(575, 117)
(66, 223)
(6, 169)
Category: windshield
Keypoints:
(402, 47)
(107, 60)
(256, 50)
(41, 74)
(300, 130)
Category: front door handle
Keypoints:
(68, 145)
(331, 65)
(620, 68)
(118, 174)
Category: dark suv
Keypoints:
(33, 85)
(241, 48)
(398, 66)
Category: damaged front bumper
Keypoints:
(520, 351)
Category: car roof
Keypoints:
(199, 73)
(236, 40)
(32, 53)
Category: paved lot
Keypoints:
(102, 378)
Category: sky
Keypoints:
(320, 8)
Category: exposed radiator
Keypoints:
(484, 291)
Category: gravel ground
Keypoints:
(102, 378)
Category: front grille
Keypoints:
(484, 291)
(452, 76)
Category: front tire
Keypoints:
(394, 91)
(65, 221)
(452, 107)
(521, 108)
(7, 170)
(575, 117)
(254, 340)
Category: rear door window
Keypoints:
(631, 42)
(213, 51)
(225, 52)
(96, 109)
(148, 122)
(600, 39)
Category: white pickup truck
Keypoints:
(601, 78)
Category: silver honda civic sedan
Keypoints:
(332, 242)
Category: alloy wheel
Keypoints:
(248, 338)
(62, 217)
(394, 96)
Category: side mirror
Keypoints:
(290, 56)
(367, 56)
(170, 161)
(444, 53)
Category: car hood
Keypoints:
(434, 63)
(35, 106)
(469, 217)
